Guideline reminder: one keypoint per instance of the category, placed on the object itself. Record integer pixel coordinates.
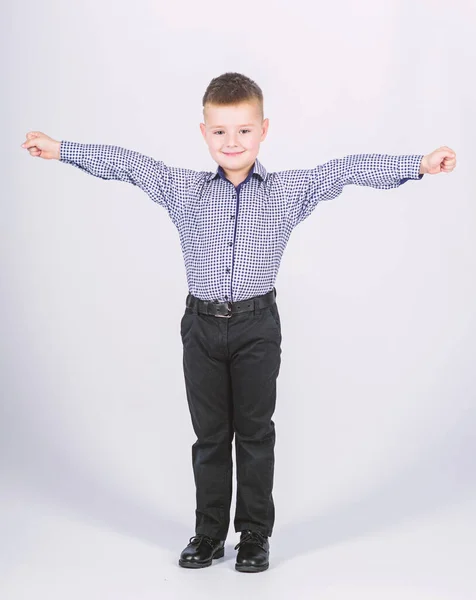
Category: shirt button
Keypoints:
(230, 243)
(232, 217)
(226, 297)
(227, 270)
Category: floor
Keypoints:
(48, 553)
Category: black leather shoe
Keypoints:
(253, 553)
(200, 551)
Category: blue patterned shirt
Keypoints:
(233, 238)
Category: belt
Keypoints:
(228, 309)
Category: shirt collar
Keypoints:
(257, 170)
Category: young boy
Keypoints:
(234, 225)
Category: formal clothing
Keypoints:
(232, 240)
(231, 366)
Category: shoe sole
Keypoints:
(188, 564)
(251, 568)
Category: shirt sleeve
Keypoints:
(163, 184)
(304, 188)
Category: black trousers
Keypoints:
(230, 367)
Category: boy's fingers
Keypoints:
(30, 143)
(448, 151)
(30, 139)
(447, 148)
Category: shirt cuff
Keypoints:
(70, 150)
(409, 166)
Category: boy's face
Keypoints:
(233, 134)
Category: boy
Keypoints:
(234, 225)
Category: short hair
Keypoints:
(232, 88)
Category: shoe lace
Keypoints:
(196, 540)
(253, 537)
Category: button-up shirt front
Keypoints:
(233, 238)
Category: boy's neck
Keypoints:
(237, 177)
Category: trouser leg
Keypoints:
(208, 389)
(254, 341)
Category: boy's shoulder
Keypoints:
(259, 171)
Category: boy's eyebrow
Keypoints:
(246, 125)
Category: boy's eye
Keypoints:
(221, 131)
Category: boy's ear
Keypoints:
(202, 129)
(264, 130)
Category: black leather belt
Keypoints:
(228, 309)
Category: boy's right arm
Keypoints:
(163, 184)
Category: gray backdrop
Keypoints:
(376, 396)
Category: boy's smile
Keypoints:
(233, 134)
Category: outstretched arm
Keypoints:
(163, 184)
(305, 188)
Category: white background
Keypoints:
(375, 483)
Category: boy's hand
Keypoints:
(39, 144)
(442, 160)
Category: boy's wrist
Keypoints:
(423, 166)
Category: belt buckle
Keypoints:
(229, 312)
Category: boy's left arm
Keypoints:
(306, 188)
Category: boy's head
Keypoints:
(233, 125)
